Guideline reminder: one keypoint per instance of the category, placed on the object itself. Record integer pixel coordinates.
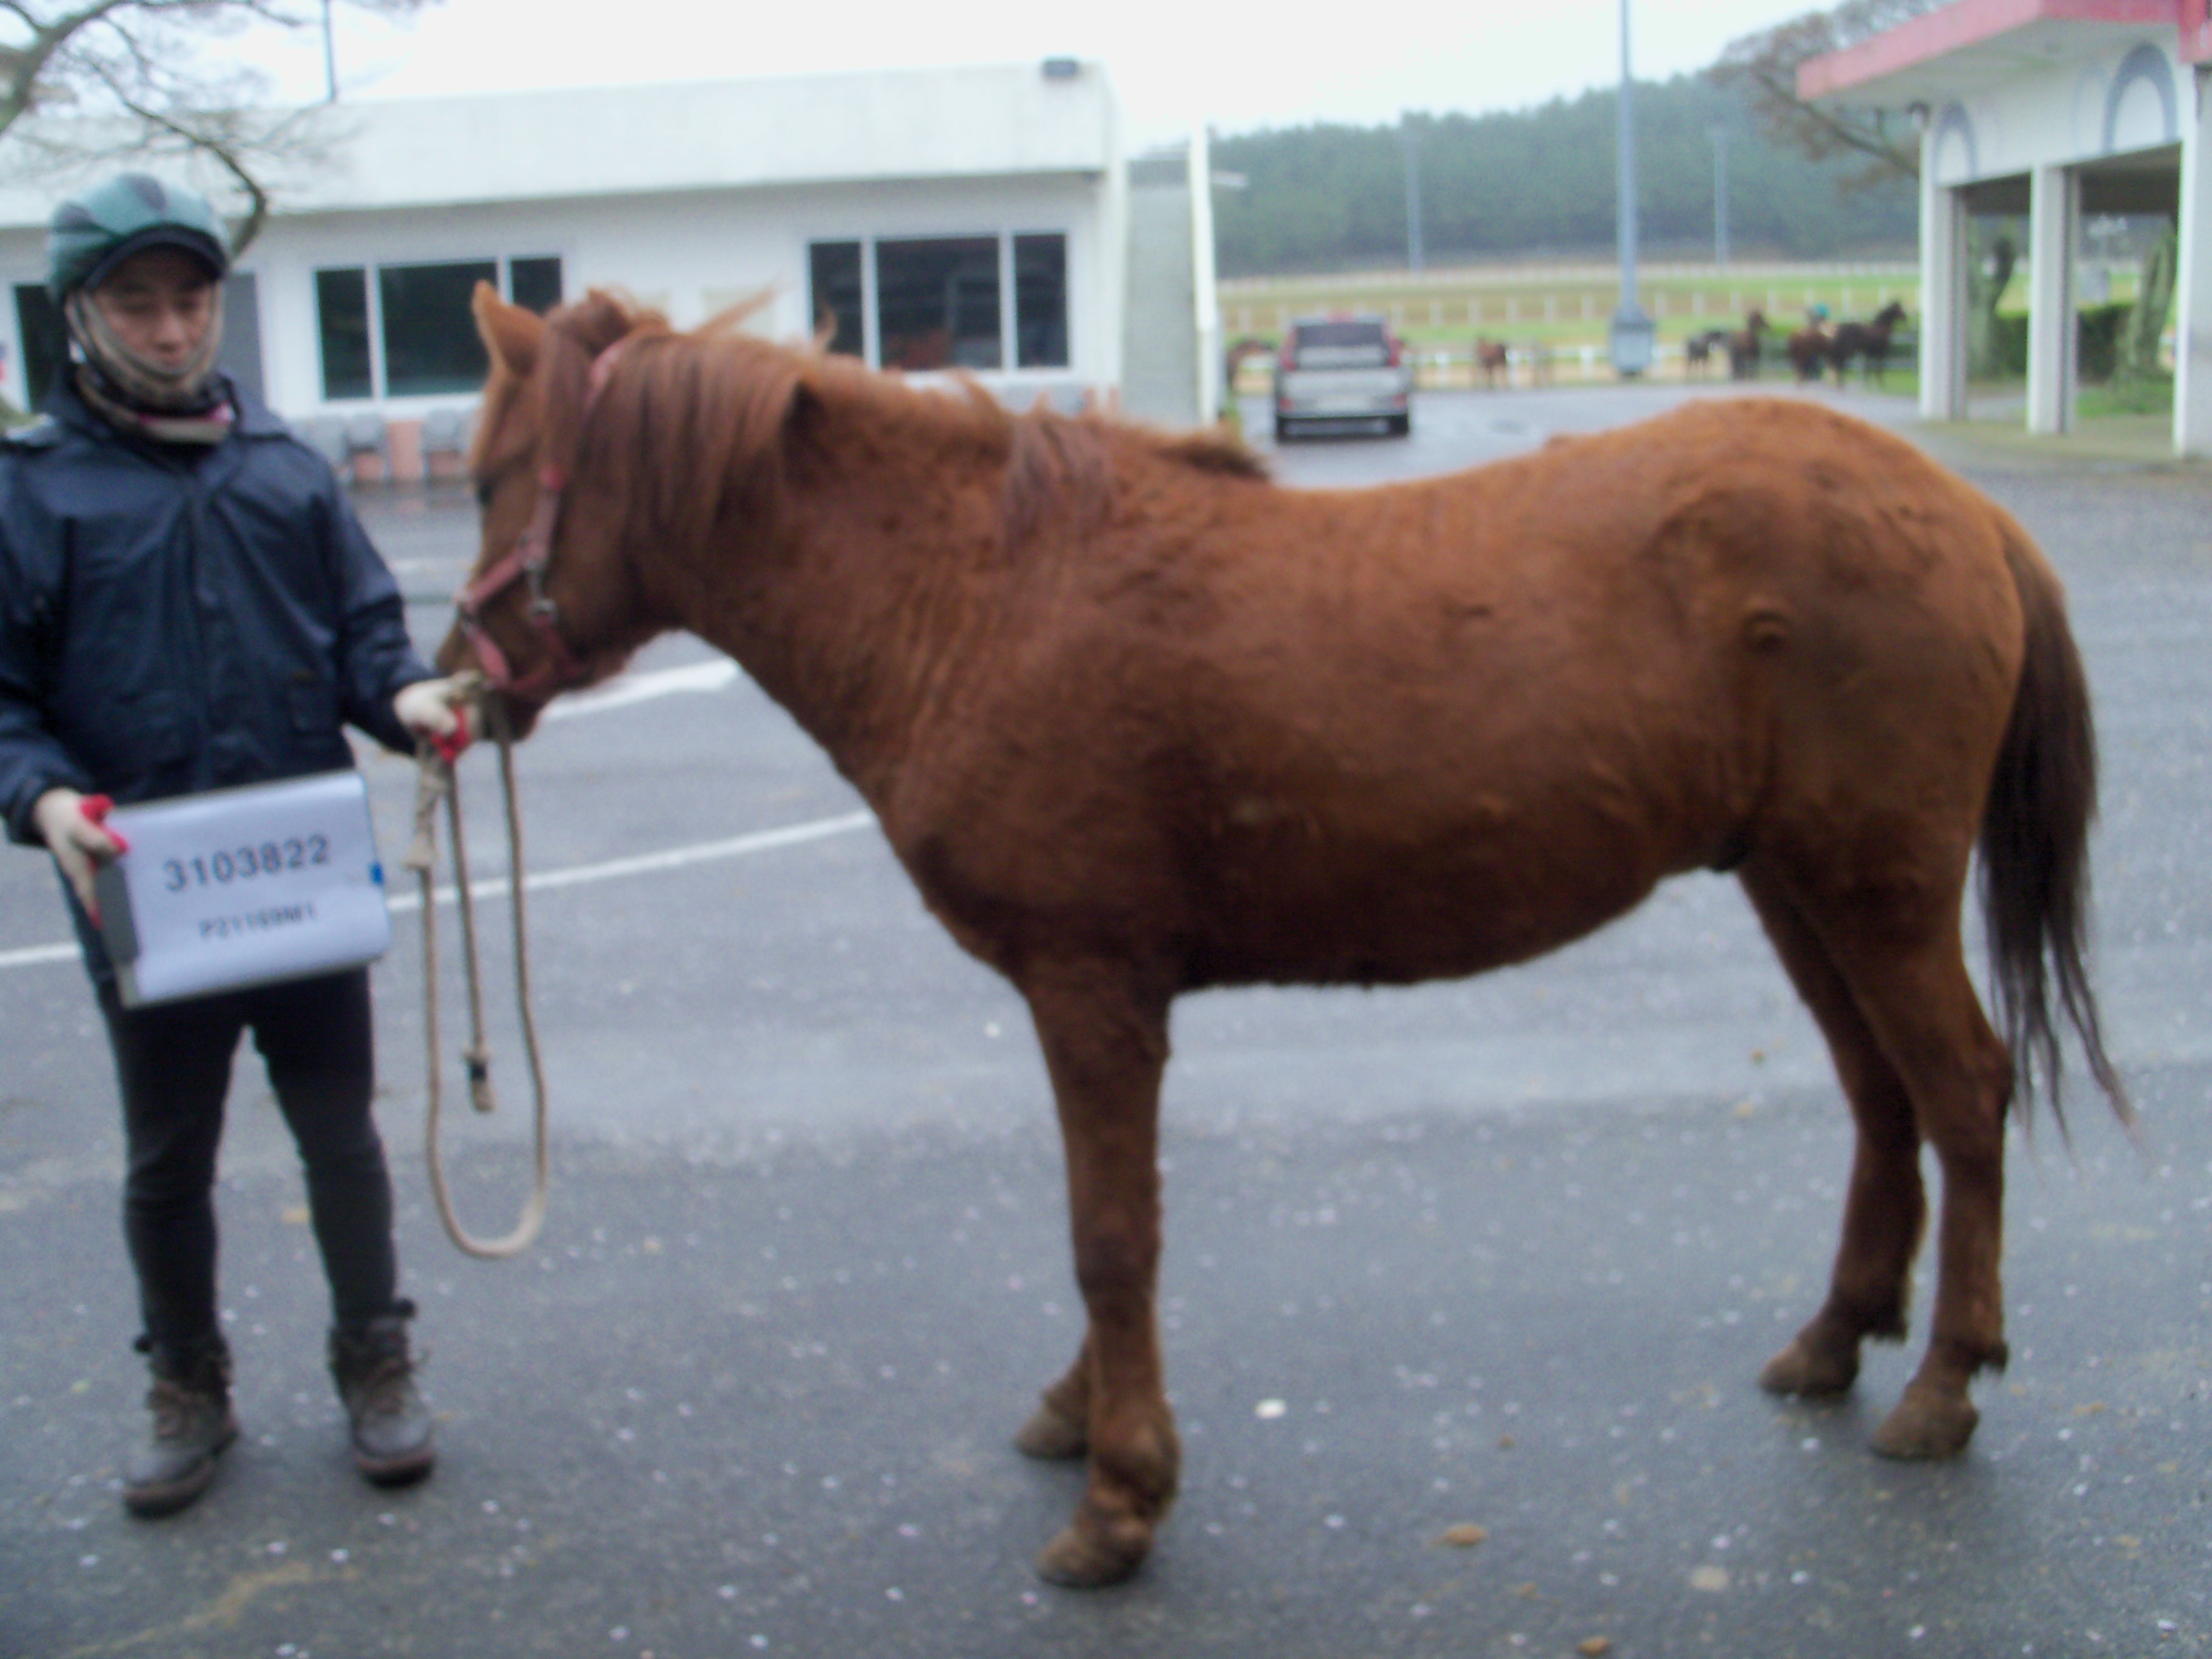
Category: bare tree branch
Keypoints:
(205, 137)
(1764, 67)
(92, 82)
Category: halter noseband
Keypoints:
(526, 562)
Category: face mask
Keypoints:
(185, 404)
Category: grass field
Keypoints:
(1563, 305)
(1555, 317)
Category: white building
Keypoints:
(2054, 108)
(966, 220)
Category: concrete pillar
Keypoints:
(1159, 320)
(1942, 294)
(2054, 211)
(2192, 285)
(1205, 292)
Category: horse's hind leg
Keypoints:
(1907, 976)
(1885, 1209)
(1105, 1045)
(1923, 1007)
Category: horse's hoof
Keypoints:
(1815, 1373)
(1081, 1562)
(1049, 1435)
(1927, 1424)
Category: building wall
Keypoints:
(691, 253)
(1159, 332)
(987, 121)
(2132, 94)
(713, 195)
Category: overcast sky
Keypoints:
(1236, 67)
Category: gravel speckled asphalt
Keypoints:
(1504, 1255)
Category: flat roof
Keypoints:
(994, 120)
(1971, 44)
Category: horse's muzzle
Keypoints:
(512, 712)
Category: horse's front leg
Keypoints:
(1105, 1044)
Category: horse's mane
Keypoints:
(726, 401)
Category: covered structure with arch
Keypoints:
(2060, 110)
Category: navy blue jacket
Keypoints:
(173, 621)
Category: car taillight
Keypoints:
(1397, 351)
(1288, 357)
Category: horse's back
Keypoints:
(1424, 729)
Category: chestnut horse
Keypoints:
(1138, 722)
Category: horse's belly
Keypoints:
(1397, 915)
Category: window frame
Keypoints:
(1066, 299)
(380, 390)
(369, 312)
(397, 270)
(1009, 295)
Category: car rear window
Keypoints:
(1341, 344)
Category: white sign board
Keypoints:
(242, 887)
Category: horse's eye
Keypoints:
(484, 495)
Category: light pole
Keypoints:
(1631, 340)
(329, 55)
(1412, 193)
(1720, 136)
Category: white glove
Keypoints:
(428, 710)
(70, 824)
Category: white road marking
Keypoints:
(642, 688)
(760, 841)
(674, 858)
(33, 955)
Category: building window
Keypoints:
(430, 339)
(936, 302)
(411, 331)
(942, 302)
(39, 325)
(342, 313)
(833, 271)
(1041, 301)
(535, 284)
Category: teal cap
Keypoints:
(94, 232)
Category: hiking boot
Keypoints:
(192, 1423)
(375, 1375)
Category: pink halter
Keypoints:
(526, 563)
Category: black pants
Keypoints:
(173, 1061)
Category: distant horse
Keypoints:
(1808, 351)
(1493, 359)
(1238, 355)
(1697, 351)
(1868, 340)
(1744, 345)
(1138, 722)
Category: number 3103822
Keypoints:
(245, 863)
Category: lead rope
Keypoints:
(434, 781)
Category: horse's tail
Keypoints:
(2034, 844)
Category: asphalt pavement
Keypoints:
(1494, 1261)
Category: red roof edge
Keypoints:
(2197, 31)
(1970, 22)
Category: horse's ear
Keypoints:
(511, 334)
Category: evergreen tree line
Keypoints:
(1539, 183)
